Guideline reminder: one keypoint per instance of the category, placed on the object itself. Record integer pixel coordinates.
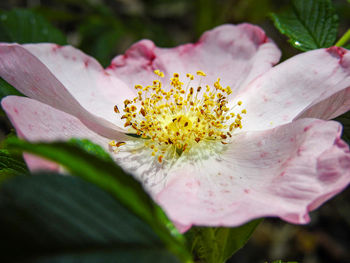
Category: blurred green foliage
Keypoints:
(105, 28)
(24, 26)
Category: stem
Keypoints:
(344, 39)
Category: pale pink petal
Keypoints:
(312, 84)
(284, 172)
(95, 89)
(137, 159)
(36, 164)
(136, 66)
(235, 53)
(35, 121)
(31, 77)
(329, 108)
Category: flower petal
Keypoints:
(285, 172)
(35, 121)
(84, 78)
(136, 66)
(236, 54)
(36, 164)
(30, 76)
(312, 84)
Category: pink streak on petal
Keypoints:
(304, 164)
(312, 84)
(31, 77)
(35, 121)
(236, 54)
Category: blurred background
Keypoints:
(105, 28)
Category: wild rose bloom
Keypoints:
(220, 137)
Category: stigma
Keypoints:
(174, 118)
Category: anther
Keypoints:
(116, 110)
(143, 112)
(201, 73)
(190, 76)
(126, 103)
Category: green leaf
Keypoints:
(10, 162)
(55, 218)
(91, 148)
(110, 177)
(345, 120)
(7, 173)
(216, 245)
(99, 171)
(7, 89)
(311, 24)
(25, 26)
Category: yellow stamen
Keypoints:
(174, 119)
(116, 110)
(201, 73)
(190, 76)
(159, 73)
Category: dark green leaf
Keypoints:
(25, 26)
(99, 171)
(11, 162)
(7, 89)
(55, 218)
(345, 120)
(216, 245)
(7, 173)
(110, 177)
(311, 24)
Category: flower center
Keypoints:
(172, 120)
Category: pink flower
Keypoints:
(281, 156)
